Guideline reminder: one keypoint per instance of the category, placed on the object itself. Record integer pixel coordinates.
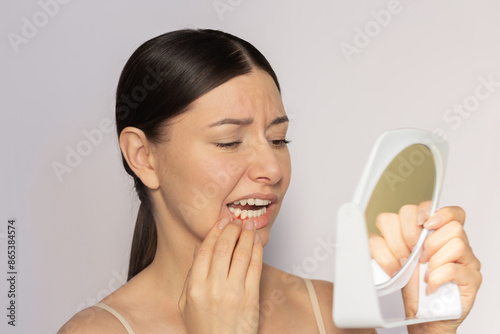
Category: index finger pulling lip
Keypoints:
(223, 222)
(204, 254)
(215, 232)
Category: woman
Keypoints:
(202, 131)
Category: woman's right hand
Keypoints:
(221, 293)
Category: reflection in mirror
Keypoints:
(400, 202)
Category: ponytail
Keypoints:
(144, 241)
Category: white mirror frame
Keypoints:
(356, 297)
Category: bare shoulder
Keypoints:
(98, 320)
(133, 301)
(92, 320)
(290, 292)
(324, 291)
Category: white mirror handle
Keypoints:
(444, 302)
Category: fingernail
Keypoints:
(237, 221)
(403, 261)
(223, 222)
(249, 225)
(421, 217)
(433, 222)
(257, 238)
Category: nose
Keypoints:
(264, 166)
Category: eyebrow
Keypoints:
(279, 120)
(246, 121)
(234, 121)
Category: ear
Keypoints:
(137, 151)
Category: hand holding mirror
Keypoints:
(380, 236)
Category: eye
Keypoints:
(229, 146)
(280, 143)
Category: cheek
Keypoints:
(221, 177)
(205, 189)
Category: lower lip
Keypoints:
(259, 222)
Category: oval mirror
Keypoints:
(379, 281)
(397, 208)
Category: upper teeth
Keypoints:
(253, 201)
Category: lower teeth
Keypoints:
(238, 213)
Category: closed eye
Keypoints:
(231, 145)
(281, 143)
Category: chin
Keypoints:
(265, 235)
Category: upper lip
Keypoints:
(270, 197)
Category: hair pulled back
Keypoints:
(159, 81)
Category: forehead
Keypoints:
(251, 95)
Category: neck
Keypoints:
(173, 259)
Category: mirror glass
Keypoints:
(399, 204)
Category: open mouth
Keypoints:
(249, 208)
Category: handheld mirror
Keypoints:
(380, 237)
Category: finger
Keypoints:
(183, 298)
(409, 225)
(203, 256)
(223, 251)
(424, 210)
(410, 294)
(456, 250)
(255, 267)
(440, 237)
(390, 226)
(461, 275)
(382, 255)
(444, 216)
(242, 253)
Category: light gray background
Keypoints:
(74, 235)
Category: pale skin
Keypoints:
(208, 275)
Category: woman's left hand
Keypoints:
(450, 259)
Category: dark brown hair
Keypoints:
(159, 81)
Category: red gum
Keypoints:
(259, 222)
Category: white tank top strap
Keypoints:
(118, 316)
(310, 288)
(315, 305)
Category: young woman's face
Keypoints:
(226, 156)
